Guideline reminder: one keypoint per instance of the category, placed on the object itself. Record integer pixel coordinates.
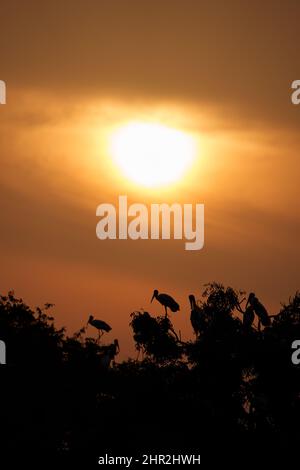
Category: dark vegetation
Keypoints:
(231, 394)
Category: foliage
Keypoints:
(230, 384)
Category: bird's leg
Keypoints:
(99, 336)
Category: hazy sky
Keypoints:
(75, 70)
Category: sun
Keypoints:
(152, 154)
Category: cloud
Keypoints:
(240, 58)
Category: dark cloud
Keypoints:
(239, 56)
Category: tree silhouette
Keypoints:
(232, 389)
(155, 337)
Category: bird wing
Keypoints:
(106, 327)
(102, 325)
(175, 306)
(262, 314)
(167, 300)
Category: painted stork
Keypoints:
(108, 354)
(259, 309)
(166, 300)
(195, 315)
(100, 325)
(248, 317)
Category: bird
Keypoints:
(101, 325)
(108, 354)
(166, 300)
(248, 317)
(196, 314)
(259, 309)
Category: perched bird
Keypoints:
(101, 325)
(166, 300)
(108, 354)
(259, 309)
(196, 314)
(115, 347)
(248, 317)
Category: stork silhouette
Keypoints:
(108, 353)
(166, 300)
(248, 314)
(100, 325)
(248, 317)
(196, 315)
(259, 309)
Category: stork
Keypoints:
(108, 354)
(248, 314)
(259, 309)
(248, 317)
(166, 300)
(195, 315)
(100, 325)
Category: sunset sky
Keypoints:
(78, 71)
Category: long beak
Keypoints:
(152, 297)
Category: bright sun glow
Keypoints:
(152, 154)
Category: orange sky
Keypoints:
(76, 70)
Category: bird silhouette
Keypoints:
(166, 300)
(248, 317)
(108, 354)
(196, 314)
(100, 325)
(259, 309)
